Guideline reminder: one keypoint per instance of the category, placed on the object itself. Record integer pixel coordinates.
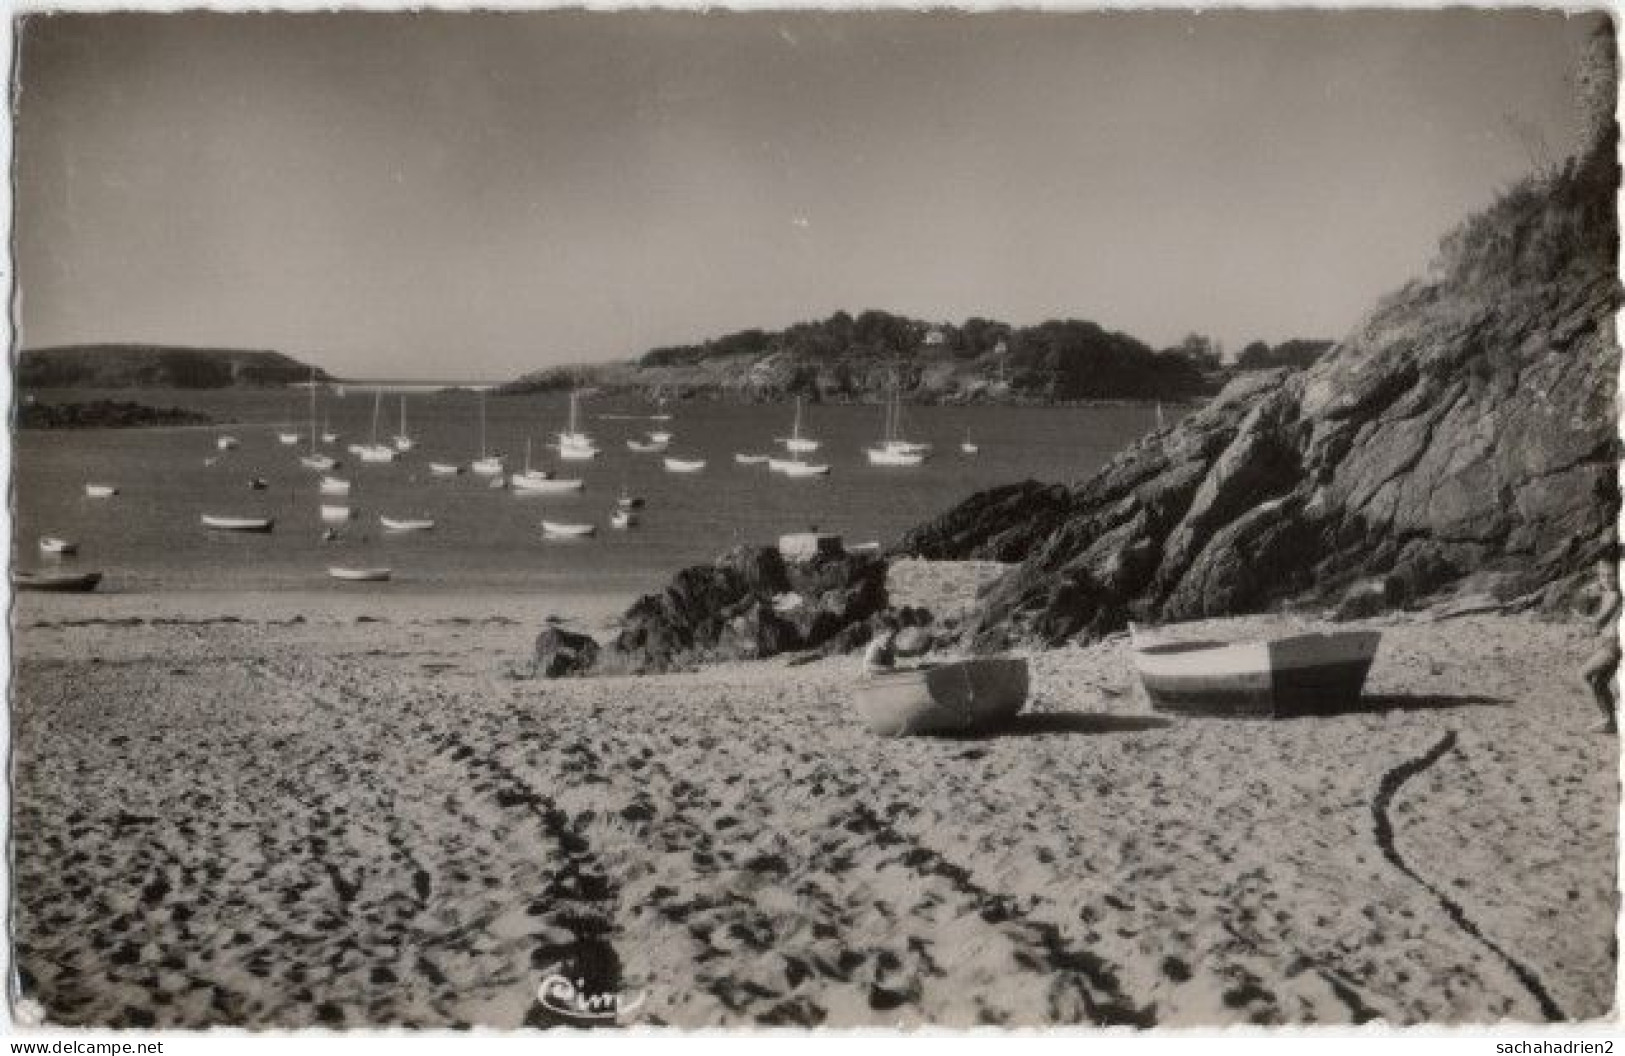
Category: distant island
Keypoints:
(864, 358)
(127, 366)
(103, 414)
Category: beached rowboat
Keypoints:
(238, 524)
(1302, 674)
(56, 582)
(359, 575)
(968, 696)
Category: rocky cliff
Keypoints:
(1467, 425)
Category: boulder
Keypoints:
(560, 653)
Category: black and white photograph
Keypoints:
(558, 519)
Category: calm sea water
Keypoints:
(149, 536)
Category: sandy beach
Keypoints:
(273, 812)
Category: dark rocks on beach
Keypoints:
(750, 603)
(1465, 426)
(559, 652)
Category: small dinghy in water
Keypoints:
(562, 530)
(51, 544)
(1303, 674)
(238, 524)
(359, 575)
(968, 696)
(56, 582)
(406, 524)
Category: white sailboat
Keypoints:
(894, 450)
(967, 446)
(795, 441)
(796, 468)
(373, 451)
(540, 481)
(403, 439)
(486, 465)
(315, 460)
(575, 445)
(328, 435)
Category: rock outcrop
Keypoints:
(749, 604)
(1466, 426)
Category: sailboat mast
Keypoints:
(482, 424)
(313, 410)
(403, 414)
(377, 403)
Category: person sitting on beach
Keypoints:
(1600, 669)
(881, 656)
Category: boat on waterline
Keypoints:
(487, 465)
(287, 439)
(406, 524)
(893, 450)
(647, 447)
(751, 460)
(573, 444)
(359, 575)
(56, 582)
(795, 441)
(337, 514)
(445, 469)
(1301, 674)
(374, 451)
(536, 484)
(57, 546)
(680, 465)
(100, 491)
(628, 501)
(334, 486)
(403, 439)
(315, 459)
(219, 523)
(967, 696)
(967, 446)
(563, 530)
(795, 467)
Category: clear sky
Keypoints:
(475, 195)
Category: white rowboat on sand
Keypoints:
(968, 696)
(1301, 674)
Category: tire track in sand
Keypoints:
(1383, 829)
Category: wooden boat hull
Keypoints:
(56, 582)
(1304, 674)
(259, 525)
(969, 696)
